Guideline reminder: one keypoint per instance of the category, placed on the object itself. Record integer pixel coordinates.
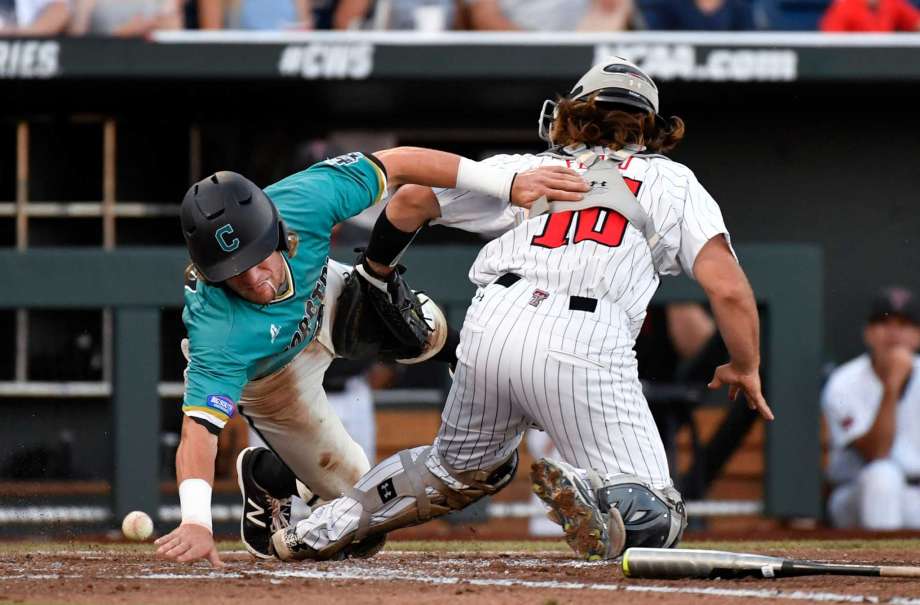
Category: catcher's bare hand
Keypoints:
(554, 182)
(747, 381)
(189, 542)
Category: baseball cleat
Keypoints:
(263, 514)
(574, 505)
(287, 546)
(366, 548)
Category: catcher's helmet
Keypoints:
(229, 225)
(616, 81)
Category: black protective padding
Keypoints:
(387, 243)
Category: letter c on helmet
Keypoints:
(227, 246)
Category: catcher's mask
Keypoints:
(229, 225)
(617, 82)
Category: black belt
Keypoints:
(576, 303)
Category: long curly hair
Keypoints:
(602, 124)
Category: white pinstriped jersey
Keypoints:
(595, 254)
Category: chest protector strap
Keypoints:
(608, 190)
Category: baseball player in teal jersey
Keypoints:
(260, 309)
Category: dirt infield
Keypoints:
(461, 572)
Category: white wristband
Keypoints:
(478, 177)
(195, 501)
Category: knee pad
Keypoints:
(651, 518)
(883, 479)
(434, 487)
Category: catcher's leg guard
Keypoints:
(603, 516)
(406, 489)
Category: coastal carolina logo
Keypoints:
(312, 313)
(227, 245)
(221, 403)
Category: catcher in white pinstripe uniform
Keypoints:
(548, 340)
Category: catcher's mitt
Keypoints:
(377, 317)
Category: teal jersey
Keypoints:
(231, 340)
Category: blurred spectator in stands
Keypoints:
(426, 15)
(551, 15)
(871, 16)
(872, 408)
(700, 15)
(693, 335)
(33, 17)
(678, 351)
(255, 14)
(126, 17)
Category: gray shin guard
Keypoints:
(433, 495)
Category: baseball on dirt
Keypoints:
(137, 525)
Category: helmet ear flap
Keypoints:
(283, 243)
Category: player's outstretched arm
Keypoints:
(735, 310)
(193, 539)
(419, 166)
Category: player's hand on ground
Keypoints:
(747, 382)
(189, 542)
(554, 182)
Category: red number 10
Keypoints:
(609, 233)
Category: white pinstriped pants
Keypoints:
(571, 373)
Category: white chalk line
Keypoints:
(390, 574)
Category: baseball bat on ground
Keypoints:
(686, 563)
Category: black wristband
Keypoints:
(387, 242)
(511, 188)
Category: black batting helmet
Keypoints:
(229, 225)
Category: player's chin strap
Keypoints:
(608, 190)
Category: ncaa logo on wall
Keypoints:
(225, 245)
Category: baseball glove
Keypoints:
(377, 317)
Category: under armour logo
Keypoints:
(386, 491)
(538, 297)
(598, 183)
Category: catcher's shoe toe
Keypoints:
(262, 513)
(366, 548)
(570, 499)
(288, 547)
